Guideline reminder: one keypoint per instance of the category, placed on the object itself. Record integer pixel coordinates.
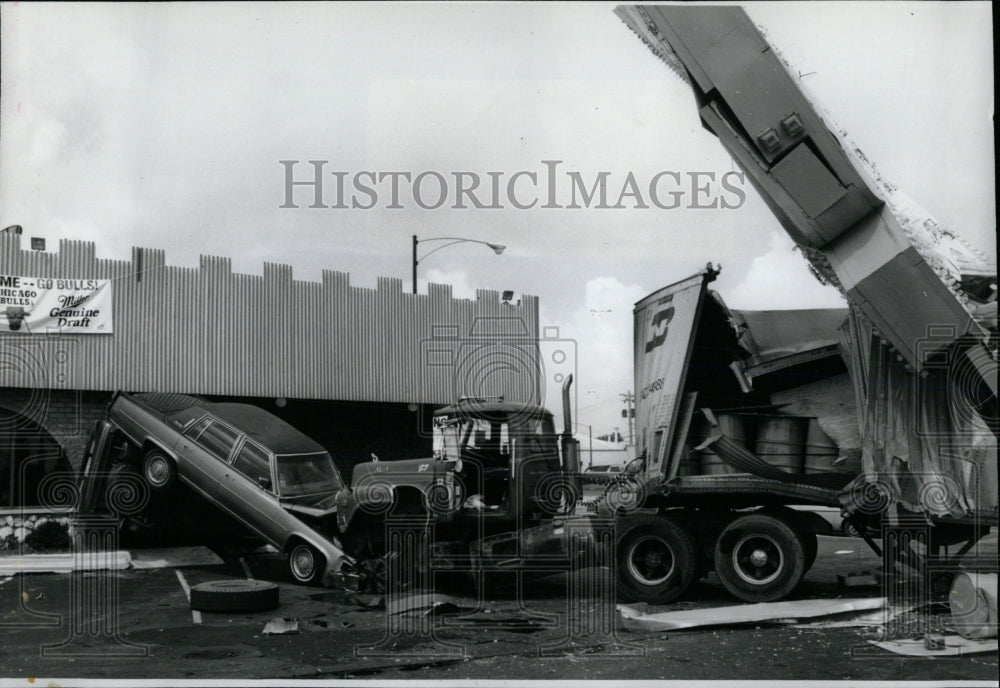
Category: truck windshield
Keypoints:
(305, 474)
(455, 439)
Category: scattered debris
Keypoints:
(933, 641)
(877, 618)
(857, 580)
(744, 613)
(421, 600)
(168, 557)
(370, 601)
(951, 646)
(281, 626)
(445, 609)
(508, 624)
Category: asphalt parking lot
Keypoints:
(551, 630)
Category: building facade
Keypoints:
(358, 369)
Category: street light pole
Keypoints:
(590, 433)
(497, 249)
(414, 263)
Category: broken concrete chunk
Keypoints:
(279, 626)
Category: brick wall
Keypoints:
(67, 415)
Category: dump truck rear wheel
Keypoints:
(656, 560)
(759, 558)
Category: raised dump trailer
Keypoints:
(894, 412)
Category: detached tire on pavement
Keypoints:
(759, 558)
(656, 560)
(234, 596)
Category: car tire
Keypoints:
(234, 596)
(159, 471)
(656, 560)
(759, 558)
(305, 563)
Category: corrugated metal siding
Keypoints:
(207, 330)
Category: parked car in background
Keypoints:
(271, 478)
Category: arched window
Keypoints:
(27, 454)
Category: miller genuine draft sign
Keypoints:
(40, 305)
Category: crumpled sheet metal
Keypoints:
(634, 620)
(954, 646)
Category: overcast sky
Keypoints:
(162, 125)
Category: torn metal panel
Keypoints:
(921, 437)
(954, 646)
(777, 334)
(744, 613)
(746, 461)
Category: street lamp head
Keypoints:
(497, 249)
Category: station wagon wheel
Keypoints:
(306, 564)
(159, 470)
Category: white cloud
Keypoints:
(601, 333)
(780, 280)
(461, 287)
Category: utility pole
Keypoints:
(629, 412)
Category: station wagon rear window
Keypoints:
(214, 437)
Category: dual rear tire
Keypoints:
(760, 558)
(757, 557)
(656, 560)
